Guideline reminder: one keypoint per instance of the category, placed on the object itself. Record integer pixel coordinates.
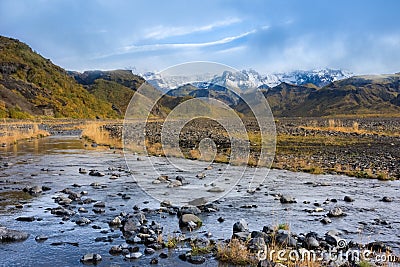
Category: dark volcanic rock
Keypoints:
(9, 235)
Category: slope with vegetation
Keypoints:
(31, 85)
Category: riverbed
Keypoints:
(54, 162)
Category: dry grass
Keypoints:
(12, 132)
(236, 252)
(95, 132)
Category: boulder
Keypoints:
(189, 219)
(240, 226)
(9, 235)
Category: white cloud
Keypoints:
(155, 47)
(162, 32)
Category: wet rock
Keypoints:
(60, 211)
(154, 261)
(45, 188)
(189, 210)
(115, 250)
(198, 202)
(201, 175)
(63, 201)
(98, 210)
(33, 191)
(332, 238)
(348, 199)
(216, 189)
(387, 199)
(220, 219)
(9, 235)
(163, 255)
(82, 171)
(190, 220)
(91, 258)
(174, 184)
(182, 180)
(166, 203)
(243, 236)
(41, 238)
(149, 251)
(240, 226)
(115, 222)
(26, 219)
(287, 199)
(82, 210)
(96, 173)
(326, 220)
(83, 221)
(335, 212)
(134, 255)
(196, 259)
(99, 204)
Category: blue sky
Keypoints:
(361, 36)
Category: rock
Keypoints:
(149, 251)
(82, 210)
(174, 184)
(45, 188)
(216, 190)
(99, 204)
(287, 199)
(196, 259)
(26, 219)
(82, 171)
(378, 247)
(96, 173)
(266, 263)
(60, 211)
(115, 250)
(243, 236)
(154, 261)
(182, 180)
(83, 221)
(134, 255)
(220, 219)
(63, 201)
(91, 258)
(326, 220)
(348, 199)
(35, 190)
(115, 222)
(198, 201)
(163, 255)
(201, 175)
(185, 220)
(9, 235)
(335, 212)
(98, 210)
(311, 242)
(166, 203)
(332, 238)
(257, 244)
(41, 238)
(240, 226)
(387, 199)
(284, 238)
(189, 210)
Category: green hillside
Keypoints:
(31, 85)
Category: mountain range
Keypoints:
(31, 86)
(248, 79)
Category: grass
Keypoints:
(236, 252)
(12, 132)
(95, 132)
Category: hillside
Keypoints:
(31, 85)
(358, 95)
(116, 87)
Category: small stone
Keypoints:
(348, 199)
(115, 222)
(220, 219)
(154, 261)
(163, 255)
(135, 255)
(326, 220)
(115, 250)
(196, 259)
(83, 221)
(149, 251)
(26, 219)
(41, 238)
(91, 258)
(387, 199)
(186, 218)
(335, 212)
(240, 226)
(216, 190)
(99, 204)
(287, 199)
(201, 175)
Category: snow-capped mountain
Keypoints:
(247, 79)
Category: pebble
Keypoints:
(91, 258)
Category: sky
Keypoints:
(270, 36)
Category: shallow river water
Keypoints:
(54, 162)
